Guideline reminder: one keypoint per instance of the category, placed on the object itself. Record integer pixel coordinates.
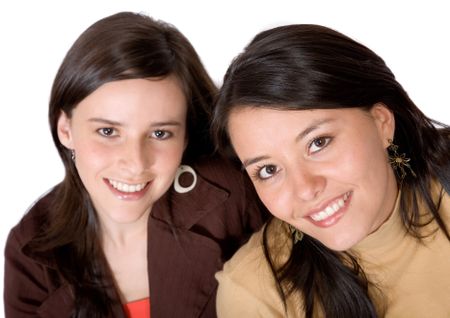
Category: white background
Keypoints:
(411, 36)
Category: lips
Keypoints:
(126, 191)
(331, 209)
(332, 212)
(125, 187)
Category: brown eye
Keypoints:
(161, 134)
(318, 144)
(266, 172)
(106, 131)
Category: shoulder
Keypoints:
(249, 258)
(249, 264)
(18, 256)
(31, 286)
(246, 284)
(33, 220)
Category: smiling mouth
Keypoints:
(127, 188)
(331, 209)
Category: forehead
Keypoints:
(253, 118)
(132, 95)
(250, 126)
(255, 115)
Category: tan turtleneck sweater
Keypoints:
(413, 276)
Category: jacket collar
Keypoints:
(204, 198)
(182, 260)
(178, 259)
(198, 203)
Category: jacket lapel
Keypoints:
(179, 259)
(58, 304)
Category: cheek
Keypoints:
(364, 161)
(172, 152)
(96, 150)
(368, 172)
(90, 157)
(354, 165)
(168, 157)
(279, 203)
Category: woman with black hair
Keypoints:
(356, 177)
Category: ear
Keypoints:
(385, 122)
(65, 130)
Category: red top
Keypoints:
(138, 308)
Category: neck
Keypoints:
(121, 235)
(391, 195)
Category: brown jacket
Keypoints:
(208, 224)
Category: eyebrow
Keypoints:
(105, 121)
(315, 125)
(116, 123)
(251, 161)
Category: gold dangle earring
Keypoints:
(297, 235)
(399, 162)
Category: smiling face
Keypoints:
(323, 171)
(128, 137)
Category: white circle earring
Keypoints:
(176, 184)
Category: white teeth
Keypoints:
(330, 210)
(124, 187)
(319, 216)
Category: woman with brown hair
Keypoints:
(129, 114)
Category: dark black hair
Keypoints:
(298, 67)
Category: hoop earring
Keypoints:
(176, 183)
(399, 162)
(296, 234)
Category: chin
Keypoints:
(342, 244)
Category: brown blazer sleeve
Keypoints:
(24, 288)
(30, 288)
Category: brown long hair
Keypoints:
(121, 46)
(299, 67)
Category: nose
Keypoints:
(307, 183)
(135, 158)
